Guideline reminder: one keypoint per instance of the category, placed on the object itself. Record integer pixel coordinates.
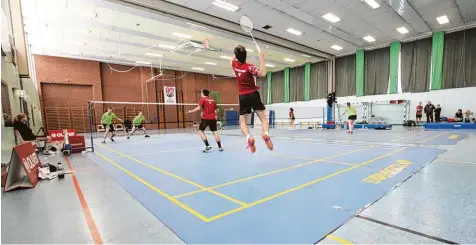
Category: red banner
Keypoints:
(77, 143)
(23, 169)
(57, 135)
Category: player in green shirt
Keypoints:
(107, 120)
(352, 112)
(137, 124)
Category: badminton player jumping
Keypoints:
(249, 95)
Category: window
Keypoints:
(6, 108)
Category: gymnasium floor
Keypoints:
(393, 186)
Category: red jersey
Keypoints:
(419, 109)
(208, 106)
(245, 76)
(291, 114)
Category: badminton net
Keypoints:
(159, 117)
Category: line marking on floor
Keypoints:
(445, 160)
(178, 177)
(271, 172)
(454, 136)
(162, 193)
(406, 230)
(158, 152)
(307, 158)
(93, 229)
(408, 136)
(302, 186)
(338, 239)
(433, 137)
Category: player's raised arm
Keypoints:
(262, 66)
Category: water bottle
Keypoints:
(60, 171)
(46, 162)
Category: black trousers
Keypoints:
(437, 117)
(429, 117)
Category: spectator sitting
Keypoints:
(459, 115)
(467, 116)
(26, 133)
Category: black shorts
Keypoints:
(139, 126)
(212, 124)
(111, 127)
(353, 117)
(251, 101)
(418, 116)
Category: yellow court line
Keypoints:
(404, 137)
(271, 172)
(158, 152)
(179, 178)
(455, 161)
(436, 136)
(452, 137)
(301, 186)
(306, 158)
(162, 193)
(338, 239)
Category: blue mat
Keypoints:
(282, 203)
(450, 125)
(374, 126)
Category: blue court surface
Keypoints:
(288, 195)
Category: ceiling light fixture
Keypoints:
(336, 47)
(225, 57)
(369, 39)
(288, 60)
(372, 3)
(402, 30)
(154, 55)
(305, 55)
(178, 34)
(211, 63)
(330, 17)
(294, 31)
(143, 62)
(199, 26)
(249, 50)
(269, 65)
(197, 68)
(224, 5)
(165, 46)
(443, 19)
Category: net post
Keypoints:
(90, 115)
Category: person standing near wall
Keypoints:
(438, 113)
(419, 113)
(429, 108)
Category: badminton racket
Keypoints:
(247, 25)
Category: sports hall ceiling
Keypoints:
(124, 31)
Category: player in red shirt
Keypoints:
(209, 119)
(249, 95)
(419, 113)
(291, 119)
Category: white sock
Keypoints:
(266, 133)
(248, 137)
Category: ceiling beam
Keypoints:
(467, 10)
(409, 14)
(183, 13)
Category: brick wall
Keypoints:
(107, 85)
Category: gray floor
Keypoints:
(438, 201)
(53, 212)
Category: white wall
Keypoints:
(450, 100)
